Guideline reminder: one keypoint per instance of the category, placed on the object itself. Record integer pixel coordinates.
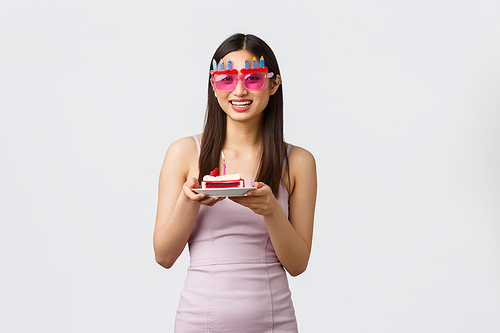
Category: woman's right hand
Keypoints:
(200, 198)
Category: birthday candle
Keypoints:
(262, 62)
(221, 65)
(214, 65)
(229, 64)
(223, 163)
(254, 62)
(247, 64)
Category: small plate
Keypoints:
(224, 192)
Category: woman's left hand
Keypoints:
(261, 200)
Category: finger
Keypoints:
(212, 201)
(257, 192)
(259, 184)
(210, 204)
(191, 182)
(195, 197)
(208, 201)
(217, 199)
(246, 202)
(188, 192)
(237, 200)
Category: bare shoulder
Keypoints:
(302, 168)
(301, 159)
(183, 147)
(182, 155)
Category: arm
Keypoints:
(178, 206)
(291, 238)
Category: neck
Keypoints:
(243, 134)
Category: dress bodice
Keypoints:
(228, 233)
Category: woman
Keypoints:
(238, 246)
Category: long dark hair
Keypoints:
(273, 154)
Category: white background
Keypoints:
(399, 102)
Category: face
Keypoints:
(241, 104)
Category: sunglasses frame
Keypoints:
(240, 77)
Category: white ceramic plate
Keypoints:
(224, 192)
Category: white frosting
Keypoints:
(235, 176)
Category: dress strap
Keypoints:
(197, 143)
(289, 146)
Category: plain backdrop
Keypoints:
(398, 101)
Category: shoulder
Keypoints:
(184, 146)
(301, 168)
(182, 154)
(300, 158)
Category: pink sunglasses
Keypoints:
(250, 81)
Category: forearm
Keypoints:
(291, 250)
(171, 237)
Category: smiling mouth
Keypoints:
(241, 103)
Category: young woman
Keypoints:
(238, 246)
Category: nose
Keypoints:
(239, 90)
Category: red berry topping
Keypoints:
(215, 173)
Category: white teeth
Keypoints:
(245, 103)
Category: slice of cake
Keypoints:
(226, 181)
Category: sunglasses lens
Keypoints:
(254, 81)
(228, 82)
(224, 82)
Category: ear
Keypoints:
(275, 84)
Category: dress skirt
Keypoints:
(236, 298)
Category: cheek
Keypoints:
(264, 98)
(221, 97)
(223, 101)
